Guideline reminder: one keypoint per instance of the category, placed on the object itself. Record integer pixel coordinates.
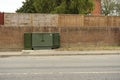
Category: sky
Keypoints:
(10, 6)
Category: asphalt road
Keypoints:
(91, 67)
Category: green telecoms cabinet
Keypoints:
(28, 41)
(45, 40)
(42, 41)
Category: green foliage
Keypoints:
(57, 6)
(27, 7)
(108, 6)
(111, 7)
(118, 8)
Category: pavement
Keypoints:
(57, 53)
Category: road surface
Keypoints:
(91, 67)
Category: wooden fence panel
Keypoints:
(68, 20)
(44, 20)
(96, 21)
(17, 19)
(114, 21)
(61, 20)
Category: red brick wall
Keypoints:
(12, 37)
(97, 8)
